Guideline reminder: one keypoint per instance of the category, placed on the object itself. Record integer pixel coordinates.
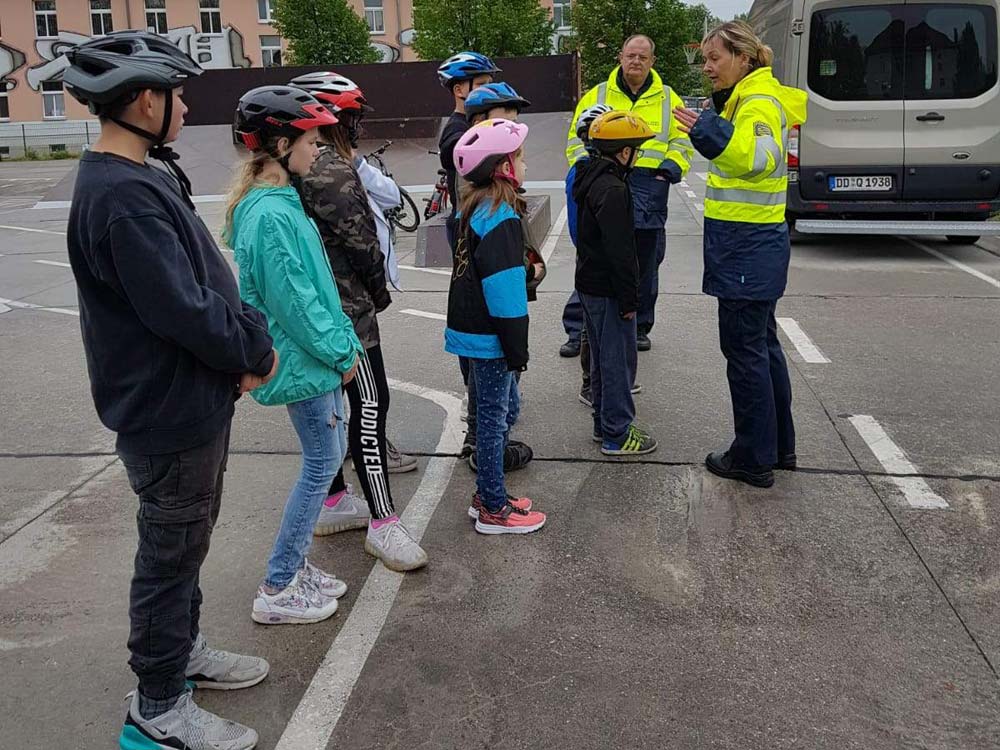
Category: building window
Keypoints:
(156, 16)
(265, 11)
(374, 16)
(561, 14)
(270, 51)
(100, 17)
(45, 19)
(56, 148)
(4, 106)
(211, 17)
(53, 100)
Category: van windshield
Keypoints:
(891, 52)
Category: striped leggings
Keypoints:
(368, 395)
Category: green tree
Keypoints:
(498, 28)
(601, 27)
(323, 32)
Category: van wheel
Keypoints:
(956, 239)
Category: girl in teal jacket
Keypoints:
(284, 272)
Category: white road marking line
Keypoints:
(53, 263)
(219, 198)
(703, 175)
(323, 703)
(422, 314)
(690, 194)
(957, 264)
(700, 206)
(7, 304)
(29, 229)
(553, 236)
(439, 271)
(916, 491)
(683, 184)
(807, 349)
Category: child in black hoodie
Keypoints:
(607, 279)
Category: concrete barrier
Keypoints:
(432, 237)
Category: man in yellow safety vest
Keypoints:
(635, 87)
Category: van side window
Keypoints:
(951, 51)
(912, 51)
(856, 54)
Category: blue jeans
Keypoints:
(324, 443)
(469, 374)
(758, 382)
(498, 405)
(572, 318)
(651, 247)
(613, 361)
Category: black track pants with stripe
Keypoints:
(368, 395)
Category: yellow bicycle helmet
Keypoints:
(613, 131)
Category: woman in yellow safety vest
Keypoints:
(745, 137)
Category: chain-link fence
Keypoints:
(43, 139)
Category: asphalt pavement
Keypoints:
(852, 605)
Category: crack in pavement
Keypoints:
(887, 507)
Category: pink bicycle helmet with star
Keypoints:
(485, 145)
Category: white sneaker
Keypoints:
(185, 725)
(393, 545)
(300, 603)
(399, 463)
(328, 585)
(350, 513)
(212, 669)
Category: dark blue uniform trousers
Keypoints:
(758, 382)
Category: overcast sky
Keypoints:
(726, 9)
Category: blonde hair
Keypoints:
(247, 176)
(739, 38)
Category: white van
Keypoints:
(903, 135)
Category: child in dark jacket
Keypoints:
(488, 310)
(607, 279)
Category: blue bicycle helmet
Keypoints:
(484, 98)
(464, 67)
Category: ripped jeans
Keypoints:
(319, 423)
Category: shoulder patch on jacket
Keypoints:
(761, 129)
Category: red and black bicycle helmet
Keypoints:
(339, 93)
(270, 112)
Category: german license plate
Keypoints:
(861, 184)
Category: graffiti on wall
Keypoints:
(223, 50)
(10, 60)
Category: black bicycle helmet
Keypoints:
(107, 69)
(269, 112)
(115, 69)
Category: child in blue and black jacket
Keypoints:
(488, 311)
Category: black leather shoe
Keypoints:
(787, 462)
(643, 344)
(570, 349)
(720, 464)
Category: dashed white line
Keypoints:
(807, 349)
(690, 194)
(553, 236)
(439, 271)
(7, 304)
(957, 264)
(60, 264)
(323, 703)
(703, 175)
(30, 229)
(916, 491)
(700, 206)
(424, 314)
(683, 184)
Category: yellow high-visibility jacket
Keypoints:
(669, 147)
(747, 143)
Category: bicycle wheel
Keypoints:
(407, 218)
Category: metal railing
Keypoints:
(18, 139)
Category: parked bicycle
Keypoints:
(405, 216)
(438, 202)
